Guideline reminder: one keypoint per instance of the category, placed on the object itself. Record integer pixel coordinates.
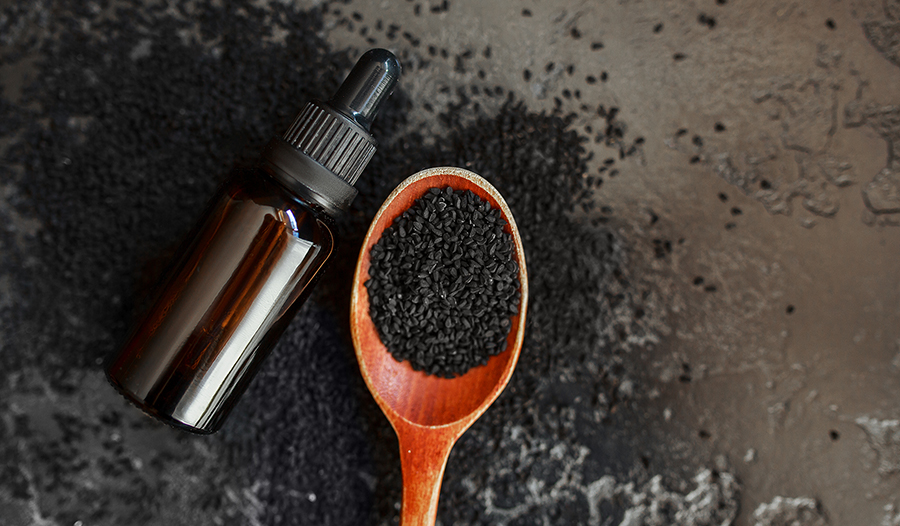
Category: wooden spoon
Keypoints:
(429, 413)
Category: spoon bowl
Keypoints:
(430, 413)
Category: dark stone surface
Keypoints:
(661, 381)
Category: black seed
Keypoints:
(707, 20)
(658, 27)
(829, 23)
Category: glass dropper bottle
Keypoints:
(253, 260)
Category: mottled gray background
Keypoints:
(714, 335)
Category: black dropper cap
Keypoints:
(367, 86)
(325, 150)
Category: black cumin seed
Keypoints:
(707, 20)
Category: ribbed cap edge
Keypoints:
(339, 145)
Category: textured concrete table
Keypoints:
(709, 195)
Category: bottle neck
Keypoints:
(308, 179)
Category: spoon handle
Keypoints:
(423, 457)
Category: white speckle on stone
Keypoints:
(626, 389)
(558, 451)
(884, 438)
(141, 50)
(750, 455)
(891, 519)
(782, 511)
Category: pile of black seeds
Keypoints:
(443, 284)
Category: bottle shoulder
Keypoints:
(302, 220)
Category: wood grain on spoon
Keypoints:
(427, 412)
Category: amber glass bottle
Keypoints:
(252, 261)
